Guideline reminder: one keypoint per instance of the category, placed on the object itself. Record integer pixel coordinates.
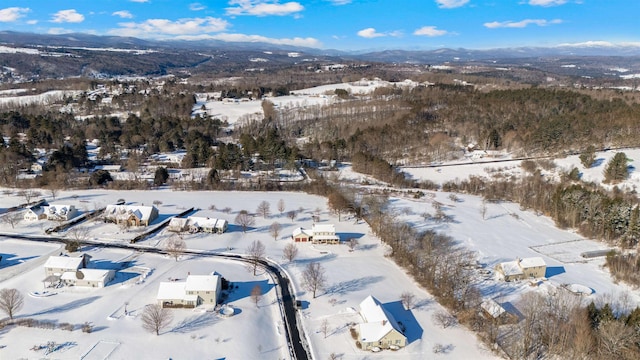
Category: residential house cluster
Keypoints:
(195, 291)
(194, 224)
(520, 269)
(318, 234)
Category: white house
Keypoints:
(197, 290)
(194, 224)
(324, 234)
(58, 265)
(88, 277)
(59, 212)
(521, 269)
(132, 215)
(319, 234)
(379, 328)
(34, 213)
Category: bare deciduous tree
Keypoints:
(12, 219)
(281, 206)
(313, 278)
(324, 327)
(175, 247)
(483, 209)
(78, 234)
(290, 252)
(256, 294)
(255, 253)
(244, 220)
(352, 244)
(29, 194)
(444, 319)
(155, 318)
(53, 191)
(408, 299)
(11, 301)
(292, 215)
(264, 209)
(274, 230)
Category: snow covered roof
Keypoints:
(492, 308)
(301, 231)
(89, 274)
(63, 262)
(36, 210)
(511, 268)
(378, 322)
(171, 290)
(323, 228)
(202, 283)
(178, 222)
(140, 211)
(532, 262)
(58, 209)
(203, 221)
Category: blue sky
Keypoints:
(340, 24)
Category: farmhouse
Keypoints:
(520, 269)
(194, 224)
(319, 234)
(379, 328)
(130, 215)
(197, 290)
(88, 277)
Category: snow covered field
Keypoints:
(506, 168)
(254, 333)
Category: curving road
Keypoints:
(297, 347)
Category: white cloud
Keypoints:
(547, 2)
(296, 41)
(32, 22)
(340, 2)
(140, 1)
(429, 31)
(123, 14)
(196, 7)
(12, 14)
(450, 4)
(163, 27)
(263, 7)
(521, 23)
(369, 33)
(67, 16)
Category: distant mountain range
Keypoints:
(59, 55)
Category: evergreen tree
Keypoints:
(616, 169)
(161, 176)
(588, 157)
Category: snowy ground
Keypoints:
(238, 111)
(351, 277)
(507, 168)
